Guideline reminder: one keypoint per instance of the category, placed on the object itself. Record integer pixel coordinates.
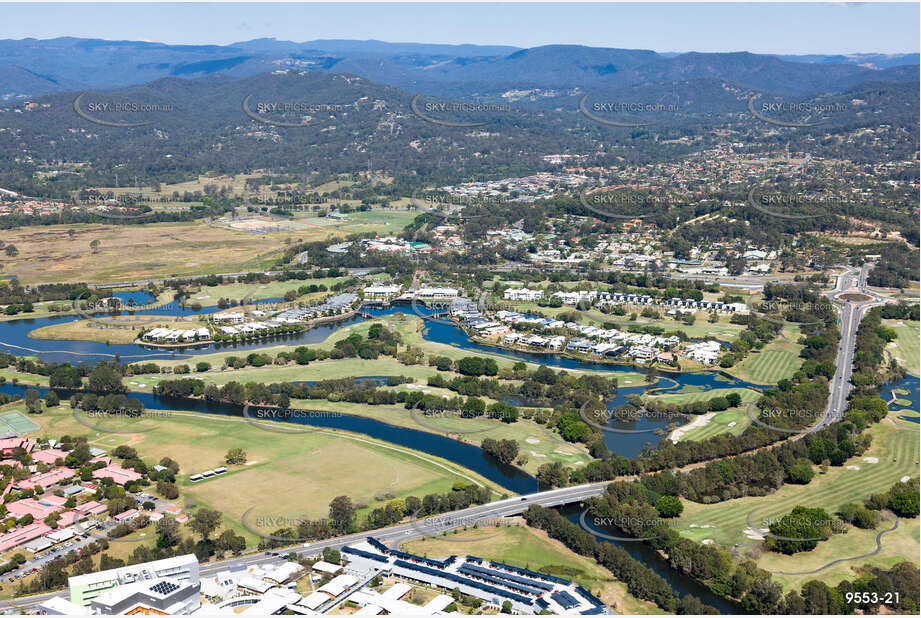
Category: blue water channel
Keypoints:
(651, 558)
(911, 384)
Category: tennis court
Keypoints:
(16, 422)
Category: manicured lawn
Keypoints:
(690, 396)
(23, 378)
(720, 424)
(905, 349)
(293, 475)
(897, 453)
(777, 360)
(896, 547)
(533, 549)
(207, 295)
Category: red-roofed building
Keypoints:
(46, 479)
(68, 518)
(91, 508)
(22, 535)
(9, 444)
(13, 463)
(127, 515)
(30, 506)
(52, 500)
(49, 456)
(117, 474)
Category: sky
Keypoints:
(779, 28)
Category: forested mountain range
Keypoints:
(31, 67)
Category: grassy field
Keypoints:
(287, 475)
(897, 546)
(540, 444)
(720, 424)
(533, 549)
(777, 360)
(691, 395)
(209, 295)
(23, 378)
(111, 329)
(896, 451)
(905, 349)
(131, 252)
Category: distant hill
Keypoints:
(44, 66)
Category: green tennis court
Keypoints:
(16, 422)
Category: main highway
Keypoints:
(850, 313)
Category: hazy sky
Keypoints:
(762, 28)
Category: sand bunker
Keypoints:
(533, 454)
(871, 459)
(700, 421)
(904, 479)
(853, 467)
(755, 535)
(532, 440)
(707, 542)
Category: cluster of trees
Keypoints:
(642, 582)
(504, 450)
(12, 292)
(897, 267)
(801, 530)
(115, 403)
(542, 386)
(715, 404)
(471, 407)
(380, 340)
(343, 515)
(757, 333)
(902, 499)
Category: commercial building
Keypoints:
(523, 294)
(382, 292)
(528, 592)
(86, 588)
(168, 596)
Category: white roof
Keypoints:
(273, 602)
(314, 600)
(60, 605)
(326, 567)
(283, 572)
(369, 610)
(338, 584)
(254, 584)
(60, 535)
(396, 591)
(439, 603)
